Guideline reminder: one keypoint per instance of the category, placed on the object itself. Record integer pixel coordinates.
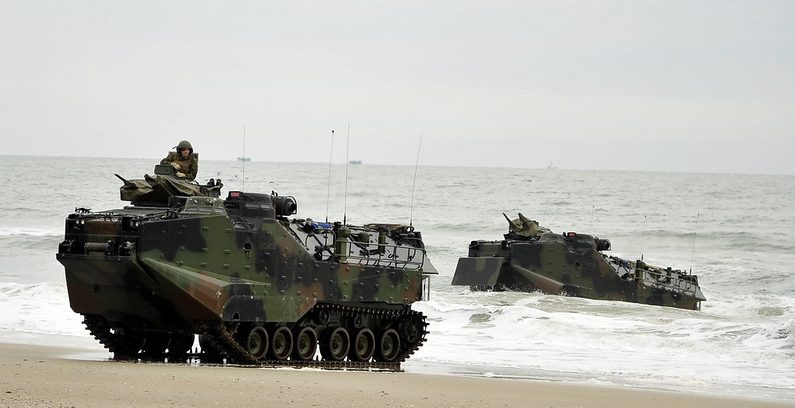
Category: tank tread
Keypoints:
(123, 347)
(326, 365)
(100, 330)
(224, 339)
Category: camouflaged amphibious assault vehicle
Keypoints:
(257, 286)
(532, 258)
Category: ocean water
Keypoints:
(736, 232)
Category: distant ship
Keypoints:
(244, 159)
(355, 162)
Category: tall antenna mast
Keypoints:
(642, 233)
(414, 183)
(244, 157)
(347, 163)
(330, 155)
(693, 249)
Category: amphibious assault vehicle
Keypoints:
(258, 287)
(532, 258)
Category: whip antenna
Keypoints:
(414, 183)
(347, 163)
(330, 155)
(244, 157)
(642, 233)
(693, 249)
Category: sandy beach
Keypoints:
(45, 376)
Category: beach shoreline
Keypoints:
(36, 375)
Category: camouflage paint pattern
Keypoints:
(158, 189)
(181, 268)
(571, 264)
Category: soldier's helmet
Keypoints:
(184, 145)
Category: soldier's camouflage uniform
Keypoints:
(188, 166)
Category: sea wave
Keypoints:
(29, 232)
(727, 240)
(38, 308)
(545, 332)
(30, 238)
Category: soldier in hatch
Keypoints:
(184, 161)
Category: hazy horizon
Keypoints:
(671, 86)
(554, 167)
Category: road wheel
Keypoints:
(336, 345)
(305, 344)
(388, 346)
(363, 346)
(257, 342)
(281, 343)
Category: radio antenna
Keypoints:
(414, 183)
(244, 157)
(693, 249)
(347, 163)
(642, 233)
(330, 155)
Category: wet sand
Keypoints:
(34, 376)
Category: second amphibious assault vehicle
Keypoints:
(257, 286)
(532, 258)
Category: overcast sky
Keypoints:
(667, 85)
